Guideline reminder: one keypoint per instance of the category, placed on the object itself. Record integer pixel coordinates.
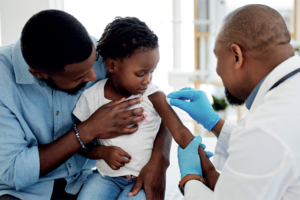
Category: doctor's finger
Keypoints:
(181, 93)
(184, 105)
(209, 154)
(186, 88)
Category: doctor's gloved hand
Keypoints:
(198, 108)
(189, 159)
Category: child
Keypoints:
(130, 52)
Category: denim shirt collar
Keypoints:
(20, 66)
(253, 94)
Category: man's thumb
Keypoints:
(135, 189)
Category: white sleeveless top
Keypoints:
(139, 144)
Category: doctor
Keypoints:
(260, 157)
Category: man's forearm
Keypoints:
(208, 169)
(153, 175)
(162, 146)
(54, 154)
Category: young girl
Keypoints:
(130, 52)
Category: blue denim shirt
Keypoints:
(33, 114)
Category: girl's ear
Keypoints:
(110, 65)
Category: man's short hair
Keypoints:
(254, 28)
(52, 39)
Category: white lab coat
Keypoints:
(260, 157)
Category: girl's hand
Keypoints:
(115, 157)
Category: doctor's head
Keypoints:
(59, 50)
(250, 43)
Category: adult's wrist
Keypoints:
(189, 177)
(85, 133)
(216, 130)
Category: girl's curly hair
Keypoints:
(123, 37)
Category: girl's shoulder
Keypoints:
(97, 88)
(152, 88)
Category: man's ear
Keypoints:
(110, 65)
(238, 55)
(38, 74)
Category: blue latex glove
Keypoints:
(189, 159)
(198, 108)
(208, 153)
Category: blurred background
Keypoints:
(186, 31)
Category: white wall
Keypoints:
(15, 13)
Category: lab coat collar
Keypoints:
(280, 71)
(20, 66)
(250, 99)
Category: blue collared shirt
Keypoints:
(250, 99)
(33, 114)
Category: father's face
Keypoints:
(225, 69)
(74, 77)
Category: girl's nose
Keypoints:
(147, 79)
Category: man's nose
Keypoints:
(91, 76)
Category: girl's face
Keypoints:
(135, 73)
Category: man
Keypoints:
(259, 158)
(42, 77)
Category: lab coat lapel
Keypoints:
(280, 71)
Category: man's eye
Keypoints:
(79, 79)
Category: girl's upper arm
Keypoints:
(180, 133)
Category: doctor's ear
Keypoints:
(110, 65)
(238, 55)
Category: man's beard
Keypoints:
(72, 91)
(233, 100)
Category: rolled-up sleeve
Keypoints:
(19, 158)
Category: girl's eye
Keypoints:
(140, 75)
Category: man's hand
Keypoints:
(115, 157)
(111, 120)
(153, 175)
(153, 178)
(198, 108)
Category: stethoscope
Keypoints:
(284, 78)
